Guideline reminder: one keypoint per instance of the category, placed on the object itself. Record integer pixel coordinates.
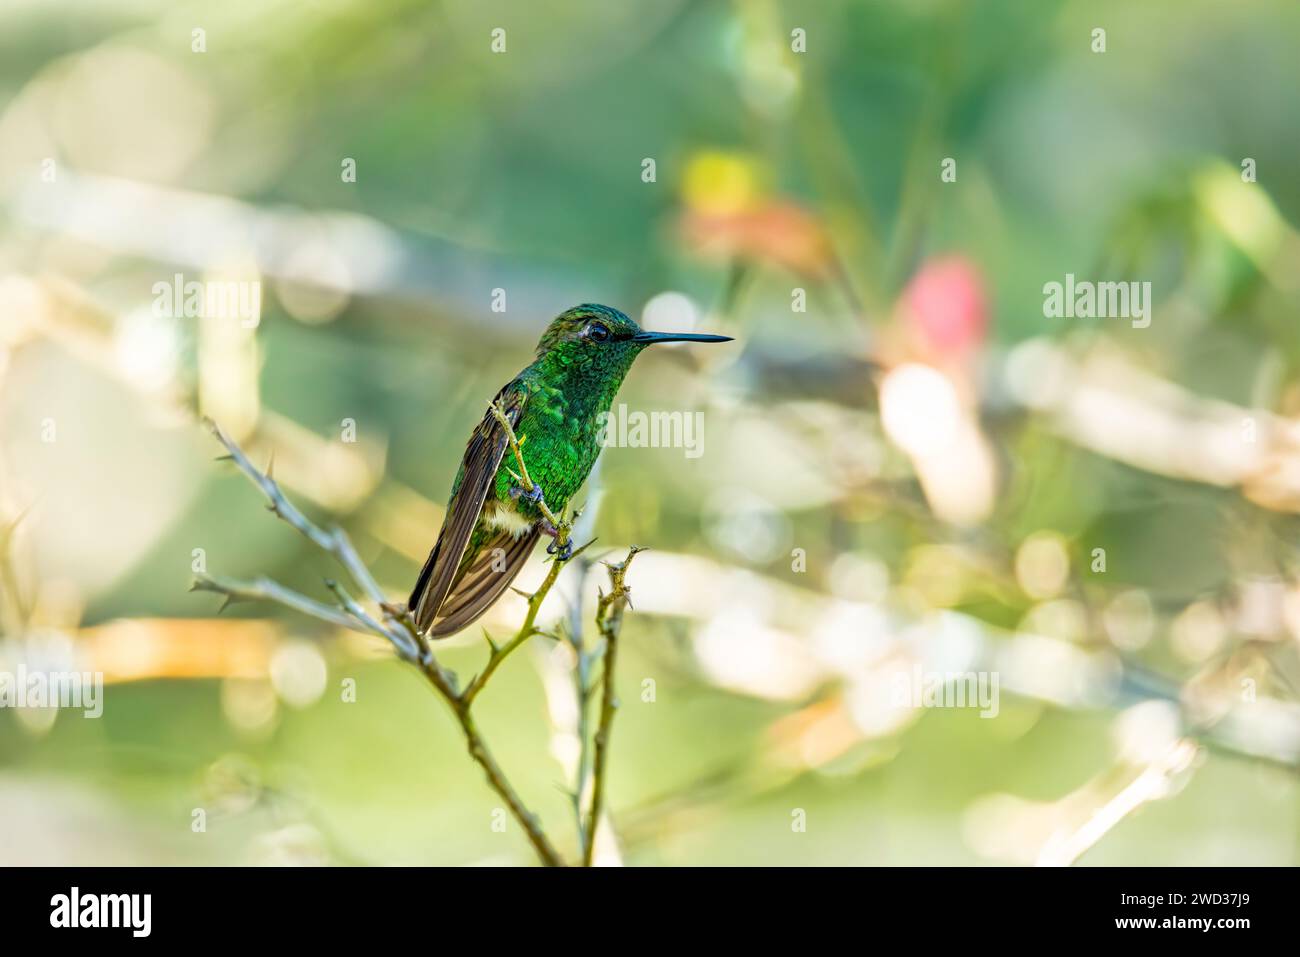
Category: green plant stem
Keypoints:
(609, 622)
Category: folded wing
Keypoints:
(447, 596)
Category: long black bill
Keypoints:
(652, 337)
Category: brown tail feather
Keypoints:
(482, 584)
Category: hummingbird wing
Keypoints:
(440, 579)
(478, 586)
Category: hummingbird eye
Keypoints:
(598, 332)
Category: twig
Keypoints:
(335, 541)
(498, 653)
(478, 750)
(266, 589)
(609, 622)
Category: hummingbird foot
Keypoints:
(565, 551)
(534, 496)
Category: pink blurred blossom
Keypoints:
(945, 302)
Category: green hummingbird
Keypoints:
(557, 407)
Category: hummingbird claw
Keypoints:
(534, 495)
(565, 551)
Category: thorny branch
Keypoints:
(397, 626)
(498, 653)
(609, 622)
(394, 624)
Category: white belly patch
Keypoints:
(508, 520)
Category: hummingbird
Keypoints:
(556, 407)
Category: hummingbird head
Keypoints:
(593, 334)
